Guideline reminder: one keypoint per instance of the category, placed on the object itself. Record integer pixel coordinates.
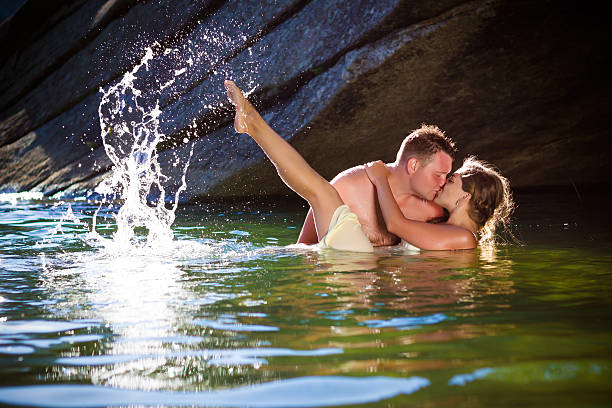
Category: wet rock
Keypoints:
(191, 102)
(53, 156)
(80, 124)
(111, 53)
(294, 52)
(523, 85)
(468, 71)
(79, 22)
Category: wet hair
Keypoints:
(423, 143)
(491, 204)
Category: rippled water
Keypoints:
(230, 314)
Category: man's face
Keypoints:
(430, 176)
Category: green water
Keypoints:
(230, 304)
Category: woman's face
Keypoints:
(451, 192)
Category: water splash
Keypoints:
(129, 119)
(132, 127)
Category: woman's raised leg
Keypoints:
(290, 165)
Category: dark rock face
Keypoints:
(523, 85)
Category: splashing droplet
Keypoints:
(130, 134)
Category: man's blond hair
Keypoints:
(423, 143)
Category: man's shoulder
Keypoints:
(356, 174)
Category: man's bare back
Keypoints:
(359, 194)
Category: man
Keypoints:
(419, 171)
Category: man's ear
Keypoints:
(412, 165)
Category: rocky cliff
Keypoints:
(522, 84)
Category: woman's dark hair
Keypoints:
(491, 204)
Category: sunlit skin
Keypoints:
(451, 192)
(413, 184)
(427, 178)
(459, 232)
(353, 186)
(290, 165)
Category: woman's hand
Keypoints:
(376, 171)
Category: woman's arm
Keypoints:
(417, 233)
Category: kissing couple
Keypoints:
(412, 199)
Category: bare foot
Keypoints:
(243, 106)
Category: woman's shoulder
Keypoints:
(463, 238)
(448, 236)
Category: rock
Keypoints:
(191, 106)
(248, 173)
(235, 26)
(25, 69)
(521, 85)
(107, 56)
(30, 21)
(467, 71)
(80, 124)
(295, 51)
(53, 157)
(537, 112)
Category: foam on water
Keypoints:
(24, 195)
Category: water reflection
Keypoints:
(297, 392)
(429, 279)
(390, 300)
(132, 293)
(167, 310)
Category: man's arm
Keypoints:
(308, 235)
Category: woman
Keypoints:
(475, 204)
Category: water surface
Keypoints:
(230, 314)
